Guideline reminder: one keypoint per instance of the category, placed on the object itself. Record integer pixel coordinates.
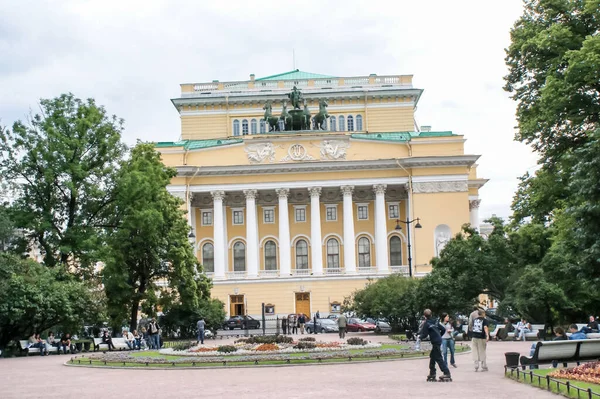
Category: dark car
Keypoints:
(359, 325)
(242, 322)
(382, 327)
(323, 326)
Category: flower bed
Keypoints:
(587, 372)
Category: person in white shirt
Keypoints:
(129, 339)
(523, 327)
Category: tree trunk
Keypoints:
(134, 313)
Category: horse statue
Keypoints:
(306, 118)
(269, 118)
(286, 117)
(322, 115)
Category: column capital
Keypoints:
(315, 191)
(347, 190)
(251, 194)
(282, 192)
(474, 204)
(218, 195)
(379, 189)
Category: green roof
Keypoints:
(197, 144)
(295, 75)
(399, 136)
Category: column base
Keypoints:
(351, 272)
(383, 271)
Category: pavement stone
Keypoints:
(46, 377)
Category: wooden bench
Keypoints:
(24, 346)
(119, 344)
(563, 351)
(495, 332)
(534, 334)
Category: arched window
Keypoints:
(395, 251)
(342, 124)
(359, 123)
(325, 124)
(253, 126)
(263, 126)
(244, 127)
(350, 123)
(239, 257)
(364, 252)
(333, 254)
(236, 127)
(270, 255)
(301, 254)
(208, 257)
(281, 124)
(333, 124)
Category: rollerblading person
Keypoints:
(431, 378)
(480, 337)
(434, 330)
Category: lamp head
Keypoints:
(398, 228)
(418, 225)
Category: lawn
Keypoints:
(562, 389)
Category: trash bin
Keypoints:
(512, 359)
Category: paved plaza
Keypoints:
(47, 377)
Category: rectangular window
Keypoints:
(300, 214)
(238, 217)
(207, 218)
(331, 213)
(268, 216)
(363, 212)
(393, 211)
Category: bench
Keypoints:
(495, 332)
(534, 334)
(563, 351)
(119, 344)
(24, 346)
(464, 335)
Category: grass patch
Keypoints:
(562, 389)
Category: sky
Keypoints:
(131, 57)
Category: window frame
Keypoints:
(209, 212)
(270, 209)
(305, 257)
(341, 123)
(327, 208)
(233, 211)
(235, 258)
(272, 257)
(299, 208)
(253, 126)
(204, 258)
(262, 126)
(359, 123)
(363, 255)
(395, 252)
(236, 127)
(358, 206)
(333, 259)
(350, 123)
(333, 123)
(245, 127)
(397, 205)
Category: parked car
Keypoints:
(382, 327)
(242, 322)
(323, 326)
(359, 325)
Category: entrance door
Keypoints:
(303, 303)
(236, 307)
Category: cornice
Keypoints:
(478, 183)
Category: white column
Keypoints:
(474, 213)
(349, 247)
(225, 238)
(251, 234)
(315, 231)
(218, 236)
(285, 261)
(381, 247)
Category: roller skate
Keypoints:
(446, 378)
(431, 378)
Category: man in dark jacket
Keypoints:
(434, 330)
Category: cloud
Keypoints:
(132, 55)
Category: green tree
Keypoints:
(148, 256)
(34, 298)
(392, 298)
(62, 164)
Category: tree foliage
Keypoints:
(148, 257)
(62, 164)
(34, 298)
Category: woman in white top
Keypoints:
(447, 339)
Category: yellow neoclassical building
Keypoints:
(296, 185)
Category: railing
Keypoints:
(237, 274)
(268, 273)
(266, 85)
(327, 82)
(298, 83)
(301, 272)
(332, 270)
(367, 270)
(549, 382)
(400, 270)
(206, 86)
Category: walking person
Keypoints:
(201, 325)
(448, 339)
(480, 337)
(342, 322)
(153, 331)
(434, 330)
(301, 322)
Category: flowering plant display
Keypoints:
(587, 372)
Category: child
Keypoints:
(434, 330)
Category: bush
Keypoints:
(307, 339)
(356, 341)
(181, 346)
(226, 349)
(266, 339)
(305, 345)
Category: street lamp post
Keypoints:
(408, 222)
(192, 237)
